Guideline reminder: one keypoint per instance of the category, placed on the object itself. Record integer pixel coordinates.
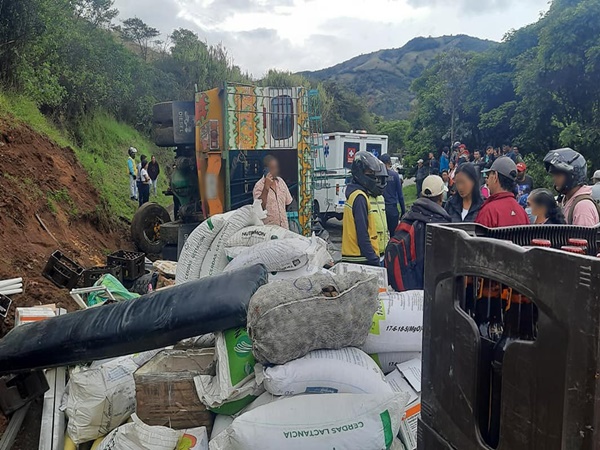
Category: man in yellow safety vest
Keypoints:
(365, 232)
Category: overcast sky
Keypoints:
(313, 34)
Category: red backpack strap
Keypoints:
(403, 226)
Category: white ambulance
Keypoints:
(333, 173)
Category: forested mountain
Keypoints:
(539, 89)
(384, 78)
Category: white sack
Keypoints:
(196, 247)
(387, 361)
(139, 436)
(345, 371)
(336, 421)
(305, 271)
(398, 324)
(277, 255)
(222, 421)
(254, 235)
(102, 398)
(215, 260)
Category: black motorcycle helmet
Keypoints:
(373, 182)
(569, 162)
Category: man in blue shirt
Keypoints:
(393, 196)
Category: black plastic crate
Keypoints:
(549, 385)
(132, 263)
(18, 390)
(62, 271)
(90, 276)
(558, 235)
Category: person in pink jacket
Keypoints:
(569, 173)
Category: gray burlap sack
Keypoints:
(290, 318)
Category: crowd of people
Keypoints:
(143, 176)
(492, 190)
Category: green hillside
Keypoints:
(383, 78)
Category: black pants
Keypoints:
(393, 217)
(419, 187)
(139, 191)
(144, 193)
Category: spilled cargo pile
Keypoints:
(263, 342)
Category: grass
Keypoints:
(61, 197)
(100, 143)
(410, 195)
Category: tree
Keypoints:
(138, 32)
(100, 13)
(397, 131)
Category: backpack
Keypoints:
(579, 199)
(405, 257)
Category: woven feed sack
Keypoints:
(102, 397)
(306, 422)
(345, 371)
(397, 324)
(222, 421)
(196, 247)
(387, 361)
(215, 260)
(277, 255)
(136, 435)
(287, 319)
(249, 236)
(234, 386)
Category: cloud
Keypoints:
(466, 6)
(312, 34)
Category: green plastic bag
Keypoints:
(114, 286)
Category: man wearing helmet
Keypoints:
(569, 173)
(132, 169)
(364, 232)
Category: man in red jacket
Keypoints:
(501, 209)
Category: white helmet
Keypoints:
(596, 176)
(132, 151)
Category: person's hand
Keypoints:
(269, 180)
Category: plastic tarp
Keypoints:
(152, 321)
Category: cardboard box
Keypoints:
(165, 391)
(407, 378)
(381, 272)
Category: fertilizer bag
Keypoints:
(215, 260)
(195, 248)
(234, 385)
(336, 421)
(397, 324)
(249, 236)
(139, 436)
(277, 256)
(102, 397)
(345, 371)
(288, 319)
(149, 322)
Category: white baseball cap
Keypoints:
(433, 186)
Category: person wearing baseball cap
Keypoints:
(524, 182)
(427, 209)
(501, 209)
(422, 173)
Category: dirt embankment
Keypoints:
(39, 177)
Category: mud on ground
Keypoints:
(39, 177)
